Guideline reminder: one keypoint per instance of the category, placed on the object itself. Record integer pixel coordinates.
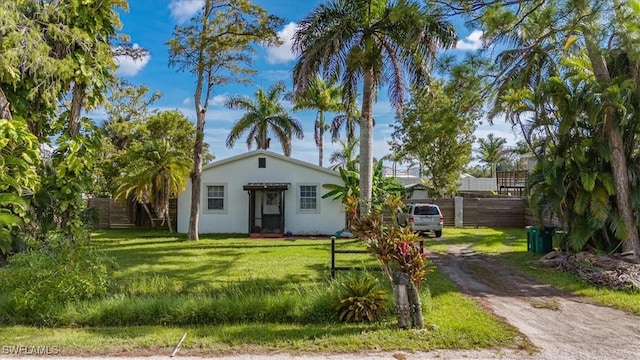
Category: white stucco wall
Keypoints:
(240, 170)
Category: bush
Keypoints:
(361, 299)
(40, 282)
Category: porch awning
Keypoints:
(267, 186)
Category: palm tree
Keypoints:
(323, 96)
(262, 116)
(492, 151)
(349, 120)
(396, 157)
(373, 42)
(345, 158)
(156, 171)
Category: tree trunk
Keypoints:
(366, 144)
(146, 210)
(415, 304)
(618, 157)
(77, 97)
(621, 179)
(5, 106)
(403, 308)
(196, 175)
(169, 222)
(320, 138)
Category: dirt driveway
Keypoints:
(560, 325)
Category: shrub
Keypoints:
(39, 282)
(360, 299)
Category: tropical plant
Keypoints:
(158, 164)
(360, 299)
(127, 108)
(323, 96)
(491, 150)
(57, 57)
(345, 156)
(373, 42)
(396, 249)
(383, 186)
(262, 117)
(19, 161)
(215, 46)
(529, 92)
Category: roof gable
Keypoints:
(260, 152)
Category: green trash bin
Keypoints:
(533, 239)
(546, 240)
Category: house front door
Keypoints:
(266, 207)
(272, 212)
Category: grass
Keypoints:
(218, 276)
(509, 246)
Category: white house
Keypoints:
(261, 192)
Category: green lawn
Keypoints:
(230, 293)
(510, 247)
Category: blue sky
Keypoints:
(150, 23)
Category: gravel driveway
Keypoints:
(560, 325)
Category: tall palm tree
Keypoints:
(263, 116)
(492, 151)
(372, 42)
(323, 96)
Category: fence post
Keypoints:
(333, 257)
(109, 200)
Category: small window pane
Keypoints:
(308, 198)
(215, 197)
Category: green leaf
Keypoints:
(588, 180)
(570, 40)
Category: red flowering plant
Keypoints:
(396, 247)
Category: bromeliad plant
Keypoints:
(360, 299)
(395, 247)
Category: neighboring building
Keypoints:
(416, 191)
(261, 192)
(471, 183)
(467, 184)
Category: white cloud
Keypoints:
(283, 53)
(218, 100)
(183, 10)
(276, 75)
(131, 67)
(472, 42)
(186, 101)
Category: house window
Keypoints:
(308, 197)
(262, 162)
(215, 197)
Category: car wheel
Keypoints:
(438, 233)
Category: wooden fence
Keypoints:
(476, 212)
(112, 214)
(484, 212)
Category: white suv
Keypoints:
(423, 218)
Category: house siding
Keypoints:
(236, 173)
